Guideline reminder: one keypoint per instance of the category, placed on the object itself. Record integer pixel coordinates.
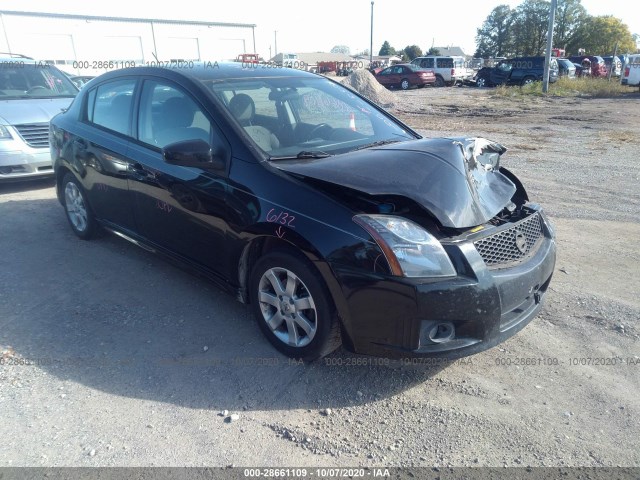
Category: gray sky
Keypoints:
(318, 26)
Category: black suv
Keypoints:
(516, 71)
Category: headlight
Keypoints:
(4, 133)
(410, 250)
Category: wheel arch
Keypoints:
(61, 172)
(263, 244)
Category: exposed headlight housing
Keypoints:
(4, 133)
(410, 250)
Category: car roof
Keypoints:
(439, 56)
(217, 70)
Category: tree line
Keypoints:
(522, 31)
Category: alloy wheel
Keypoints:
(287, 307)
(76, 208)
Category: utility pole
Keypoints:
(275, 42)
(371, 39)
(547, 58)
(613, 62)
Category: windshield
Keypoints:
(34, 81)
(307, 117)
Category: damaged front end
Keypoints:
(458, 182)
(469, 256)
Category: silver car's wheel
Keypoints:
(287, 307)
(76, 208)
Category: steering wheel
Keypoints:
(314, 133)
(36, 89)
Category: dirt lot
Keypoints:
(134, 361)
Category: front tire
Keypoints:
(404, 84)
(293, 307)
(77, 208)
(481, 82)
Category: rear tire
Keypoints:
(439, 81)
(404, 84)
(527, 81)
(77, 209)
(293, 307)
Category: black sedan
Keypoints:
(332, 219)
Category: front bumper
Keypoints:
(395, 317)
(19, 161)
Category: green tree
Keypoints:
(530, 27)
(570, 15)
(387, 49)
(493, 39)
(598, 36)
(433, 51)
(341, 49)
(412, 51)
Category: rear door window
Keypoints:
(109, 105)
(427, 63)
(445, 63)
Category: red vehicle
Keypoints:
(248, 58)
(405, 75)
(598, 67)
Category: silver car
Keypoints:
(31, 93)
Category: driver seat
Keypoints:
(243, 109)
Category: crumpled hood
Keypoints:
(31, 110)
(456, 179)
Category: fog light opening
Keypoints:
(442, 332)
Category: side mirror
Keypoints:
(191, 153)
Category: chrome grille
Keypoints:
(501, 249)
(35, 134)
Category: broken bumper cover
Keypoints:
(446, 318)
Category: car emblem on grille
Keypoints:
(521, 241)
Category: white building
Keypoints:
(83, 44)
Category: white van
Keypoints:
(631, 71)
(448, 70)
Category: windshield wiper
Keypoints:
(376, 144)
(304, 154)
(314, 154)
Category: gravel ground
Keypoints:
(133, 362)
